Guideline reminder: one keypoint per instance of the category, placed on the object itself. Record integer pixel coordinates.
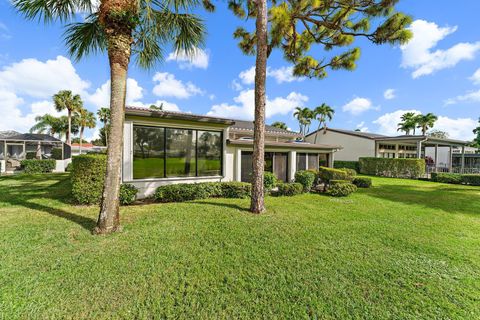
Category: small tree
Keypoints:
(304, 117)
(476, 131)
(104, 116)
(438, 134)
(323, 113)
(426, 121)
(280, 125)
(65, 100)
(295, 27)
(86, 119)
(409, 122)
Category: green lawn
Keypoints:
(401, 250)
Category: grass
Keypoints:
(401, 250)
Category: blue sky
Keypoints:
(439, 72)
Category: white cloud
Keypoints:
(101, 96)
(388, 123)
(167, 106)
(476, 77)
(244, 106)
(4, 32)
(168, 86)
(389, 94)
(282, 74)
(199, 59)
(358, 106)
(41, 79)
(460, 128)
(361, 126)
(418, 54)
(236, 85)
(469, 97)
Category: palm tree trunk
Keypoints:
(119, 51)
(316, 133)
(106, 134)
(257, 204)
(69, 130)
(81, 138)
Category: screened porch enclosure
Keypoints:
(275, 162)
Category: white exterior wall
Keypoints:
(2, 164)
(353, 147)
(61, 165)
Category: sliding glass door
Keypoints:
(276, 162)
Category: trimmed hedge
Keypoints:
(362, 182)
(306, 179)
(194, 191)
(32, 166)
(327, 174)
(237, 190)
(471, 179)
(393, 168)
(355, 165)
(453, 178)
(269, 181)
(289, 189)
(128, 194)
(87, 176)
(341, 189)
(334, 182)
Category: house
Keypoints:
(164, 147)
(439, 153)
(15, 147)
(86, 148)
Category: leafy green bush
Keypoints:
(453, 178)
(306, 179)
(347, 164)
(341, 189)
(351, 173)
(87, 176)
(333, 182)
(181, 192)
(128, 194)
(327, 174)
(57, 153)
(269, 181)
(31, 155)
(472, 179)
(394, 168)
(362, 182)
(238, 190)
(69, 167)
(289, 189)
(32, 166)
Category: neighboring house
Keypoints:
(15, 147)
(86, 148)
(439, 153)
(163, 147)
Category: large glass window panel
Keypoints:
(209, 157)
(323, 160)
(148, 152)
(301, 161)
(313, 161)
(247, 165)
(280, 166)
(180, 152)
(268, 162)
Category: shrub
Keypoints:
(355, 165)
(362, 182)
(394, 168)
(452, 178)
(472, 179)
(351, 173)
(128, 194)
(32, 166)
(341, 189)
(57, 153)
(327, 174)
(31, 155)
(269, 181)
(238, 190)
(69, 167)
(181, 192)
(289, 189)
(334, 182)
(87, 176)
(306, 179)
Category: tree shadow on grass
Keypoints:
(223, 205)
(44, 192)
(452, 199)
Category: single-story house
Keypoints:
(164, 147)
(439, 153)
(15, 147)
(86, 148)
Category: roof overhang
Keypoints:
(289, 134)
(286, 145)
(426, 141)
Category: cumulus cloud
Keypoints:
(476, 77)
(198, 59)
(389, 94)
(281, 75)
(361, 126)
(358, 106)
(101, 96)
(244, 106)
(169, 86)
(388, 123)
(419, 53)
(469, 97)
(41, 79)
(459, 128)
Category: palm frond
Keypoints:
(85, 37)
(52, 10)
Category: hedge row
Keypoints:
(355, 165)
(456, 178)
(32, 166)
(87, 177)
(394, 168)
(193, 191)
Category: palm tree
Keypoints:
(86, 119)
(425, 122)
(65, 100)
(156, 108)
(304, 117)
(409, 122)
(323, 113)
(280, 125)
(47, 124)
(121, 27)
(104, 116)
